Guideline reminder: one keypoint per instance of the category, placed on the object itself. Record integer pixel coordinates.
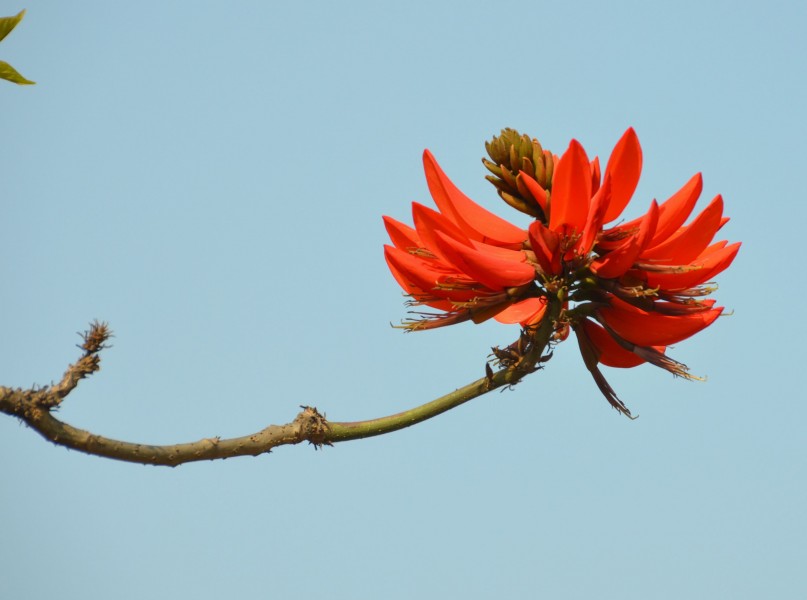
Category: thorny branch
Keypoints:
(35, 407)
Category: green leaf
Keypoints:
(9, 73)
(9, 23)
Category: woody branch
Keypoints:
(35, 407)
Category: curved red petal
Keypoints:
(652, 329)
(571, 190)
(610, 353)
(677, 208)
(714, 248)
(617, 262)
(625, 167)
(414, 291)
(477, 223)
(682, 308)
(648, 227)
(498, 251)
(428, 222)
(688, 242)
(596, 213)
(545, 244)
(404, 281)
(421, 277)
(491, 271)
(538, 192)
(402, 236)
(527, 310)
(713, 263)
(596, 176)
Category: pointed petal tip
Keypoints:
(571, 189)
(625, 165)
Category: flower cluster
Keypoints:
(626, 289)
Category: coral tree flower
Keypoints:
(627, 289)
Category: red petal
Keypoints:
(682, 308)
(416, 292)
(596, 213)
(675, 210)
(477, 223)
(503, 253)
(571, 190)
(419, 277)
(617, 262)
(546, 246)
(610, 353)
(595, 175)
(399, 276)
(491, 271)
(688, 242)
(651, 329)
(403, 237)
(625, 167)
(522, 312)
(482, 314)
(711, 264)
(648, 226)
(535, 189)
(428, 222)
(714, 248)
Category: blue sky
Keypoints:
(210, 178)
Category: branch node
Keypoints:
(314, 427)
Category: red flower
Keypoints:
(463, 260)
(627, 291)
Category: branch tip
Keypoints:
(95, 338)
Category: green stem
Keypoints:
(342, 432)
